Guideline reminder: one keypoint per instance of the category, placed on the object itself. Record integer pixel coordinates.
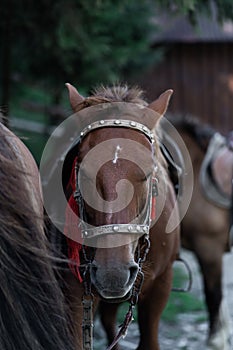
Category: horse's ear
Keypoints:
(75, 97)
(161, 103)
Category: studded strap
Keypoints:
(118, 123)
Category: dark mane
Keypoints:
(32, 312)
(201, 133)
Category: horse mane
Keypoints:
(115, 93)
(199, 131)
(32, 311)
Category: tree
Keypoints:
(77, 40)
(83, 41)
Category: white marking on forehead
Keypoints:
(118, 149)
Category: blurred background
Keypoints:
(156, 44)
(184, 45)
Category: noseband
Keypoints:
(149, 210)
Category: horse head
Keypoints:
(115, 175)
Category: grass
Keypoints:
(181, 302)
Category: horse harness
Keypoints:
(210, 188)
(93, 232)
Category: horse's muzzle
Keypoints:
(114, 282)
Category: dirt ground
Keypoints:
(189, 332)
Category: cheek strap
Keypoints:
(72, 226)
(154, 194)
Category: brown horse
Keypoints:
(206, 225)
(116, 173)
(32, 311)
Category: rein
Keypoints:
(88, 232)
(134, 296)
(87, 324)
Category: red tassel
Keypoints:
(74, 257)
(153, 208)
(71, 228)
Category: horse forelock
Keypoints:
(115, 93)
(119, 93)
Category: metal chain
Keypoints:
(134, 294)
(87, 323)
(129, 315)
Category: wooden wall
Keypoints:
(201, 76)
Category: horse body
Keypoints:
(205, 228)
(117, 212)
(32, 312)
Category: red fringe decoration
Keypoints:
(71, 228)
(153, 208)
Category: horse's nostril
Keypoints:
(133, 270)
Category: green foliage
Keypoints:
(181, 302)
(30, 95)
(86, 42)
(104, 41)
(76, 40)
(21, 109)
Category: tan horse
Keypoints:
(32, 308)
(113, 170)
(206, 225)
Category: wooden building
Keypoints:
(198, 66)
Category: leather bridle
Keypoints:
(88, 232)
